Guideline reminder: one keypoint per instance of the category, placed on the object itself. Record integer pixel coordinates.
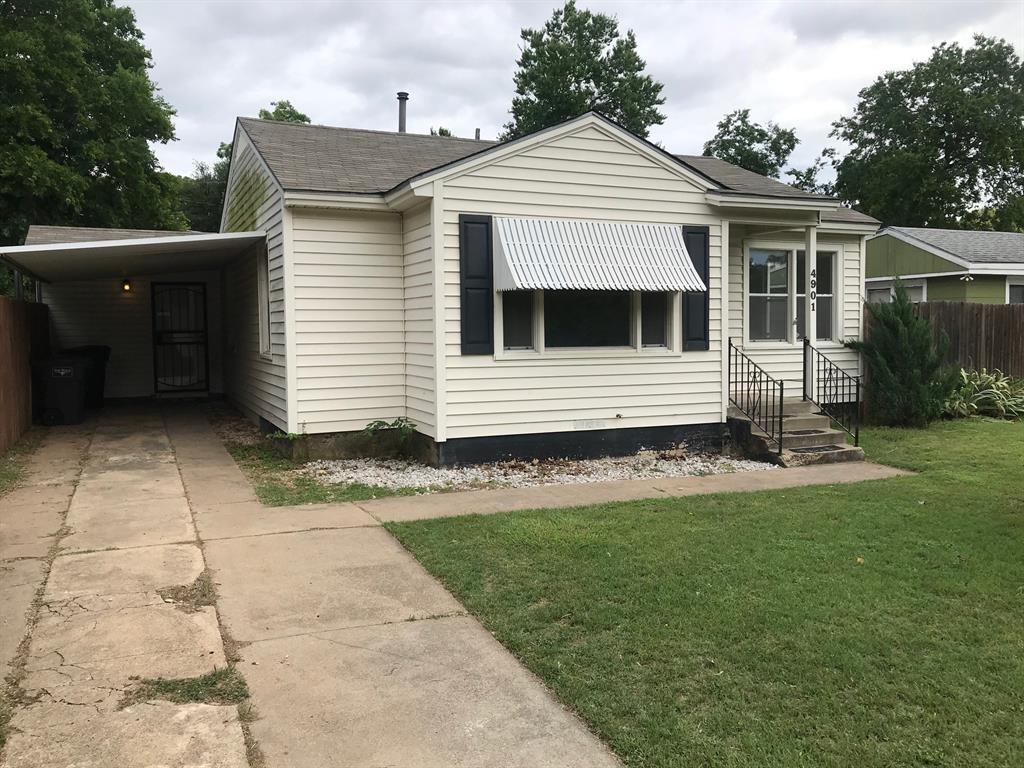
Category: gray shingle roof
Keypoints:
(319, 158)
(43, 234)
(974, 246)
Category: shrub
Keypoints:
(909, 380)
(984, 393)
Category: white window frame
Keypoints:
(263, 302)
(635, 348)
(1012, 281)
(838, 291)
(920, 282)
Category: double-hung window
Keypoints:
(776, 294)
(586, 319)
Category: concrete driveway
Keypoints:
(353, 654)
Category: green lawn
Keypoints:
(877, 624)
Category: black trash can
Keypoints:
(60, 382)
(96, 373)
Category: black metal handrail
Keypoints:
(756, 394)
(833, 390)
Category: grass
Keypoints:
(279, 481)
(12, 461)
(222, 686)
(875, 624)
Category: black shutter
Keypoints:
(697, 306)
(477, 289)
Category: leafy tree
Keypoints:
(440, 131)
(284, 112)
(935, 142)
(77, 114)
(763, 149)
(202, 193)
(809, 180)
(909, 380)
(577, 63)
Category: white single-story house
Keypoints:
(571, 291)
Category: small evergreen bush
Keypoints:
(909, 381)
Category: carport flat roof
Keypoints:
(99, 259)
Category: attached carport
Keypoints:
(161, 301)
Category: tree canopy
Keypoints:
(763, 149)
(940, 144)
(78, 111)
(284, 112)
(577, 63)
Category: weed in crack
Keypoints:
(191, 597)
(222, 686)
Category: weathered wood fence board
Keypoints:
(24, 332)
(980, 335)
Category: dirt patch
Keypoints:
(191, 597)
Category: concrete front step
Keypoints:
(840, 453)
(794, 422)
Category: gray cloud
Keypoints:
(797, 63)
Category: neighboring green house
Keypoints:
(946, 265)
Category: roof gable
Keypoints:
(590, 122)
(965, 246)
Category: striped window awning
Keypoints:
(591, 255)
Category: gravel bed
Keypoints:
(400, 474)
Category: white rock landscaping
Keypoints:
(396, 474)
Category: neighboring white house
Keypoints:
(573, 290)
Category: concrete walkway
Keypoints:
(399, 508)
(353, 654)
(104, 525)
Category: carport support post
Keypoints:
(19, 287)
(810, 300)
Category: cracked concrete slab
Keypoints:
(120, 571)
(18, 583)
(250, 518)
(319, 580)
(154, 735)
(89, 656)
(440, 692)
(129, 524)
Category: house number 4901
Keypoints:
(814, 285)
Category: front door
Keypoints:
(180, 361)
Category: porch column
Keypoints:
(810, 298)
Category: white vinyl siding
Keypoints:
(256, 381)
(418, 293)
(349, 319)
(588, 175)
(783, 359)
(100, 312)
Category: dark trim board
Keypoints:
(583, 444)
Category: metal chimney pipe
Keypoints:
(478, 134)
(403, 99)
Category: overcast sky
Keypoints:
(798, 63)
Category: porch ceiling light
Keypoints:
(126, 285)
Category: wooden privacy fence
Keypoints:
(980, 335)
(24, 333)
